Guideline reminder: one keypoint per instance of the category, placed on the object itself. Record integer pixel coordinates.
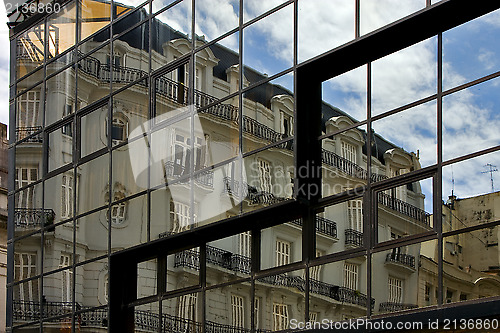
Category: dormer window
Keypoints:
(348, 151)
(286, 124)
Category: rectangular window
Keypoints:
(315, 270)
(67, 196)
(351, 276)
(395, 290)
(313, 316)
(238, 312)
(280, 316)
(264, 175)
(427, 294)
(67, 129)
(24, 177)
(28, 110)
(180, 215)
(66, 278)
(348, 151)
(355, 214)
(244, 244)
(282, 252)
(186, 308)
(25, 267)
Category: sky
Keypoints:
(471, 118)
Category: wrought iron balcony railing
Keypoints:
(348, 167)
(405, 208)
(33, 218)
(215, 256)
(250, 193)
(24, 132)
(341, 294)
(32, 310)
(204, 178)
(26, 311)
(353, 238)
(323, 226)
(401, 258)
(393, 307)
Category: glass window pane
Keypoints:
(183, 313)
(93, 78)
(343, 157)
(267, 177)
(339, 283)
(411, 147)
(29, 214)
(228, 308)
(208, 17)
(470, 120)
(92, 240)
(95, 15)
(281, 245)
(30, 52)
(467, 257)
(59, 195)
(93, 186)
(469, 193)
(469, 52)
(397, 273)
(187, 261)
(62, 30)
(26, 302)
(129, 224)
(324, 25)
(345, 95)
(376, 14)
(29, 115)
(147, 278)
(405, 210)
(404, 77)
(231, 255)
(268, 113)
(268, 45)
(274, 310)
(60, 99)
(171, 33)
(125, 169)
(254, 8)
(93, 131)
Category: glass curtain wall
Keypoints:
(133, 123)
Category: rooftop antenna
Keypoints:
(493, 168)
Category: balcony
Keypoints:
(204, 178)
(24, 132)
(401, 259)
(341, 294)
(393, 307)
(421, 216)
(348, 167)
(251, 193)
(215, 256)
(144, 320)
(27, 218)
(323, 226)
(353, 238)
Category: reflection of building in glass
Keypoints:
(3, 221)
(150, 135)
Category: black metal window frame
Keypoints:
(429, 22)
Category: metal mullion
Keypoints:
(240, 130)
(370, 222)
(437, 181)
(357, 19)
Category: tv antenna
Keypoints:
(493, 168)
